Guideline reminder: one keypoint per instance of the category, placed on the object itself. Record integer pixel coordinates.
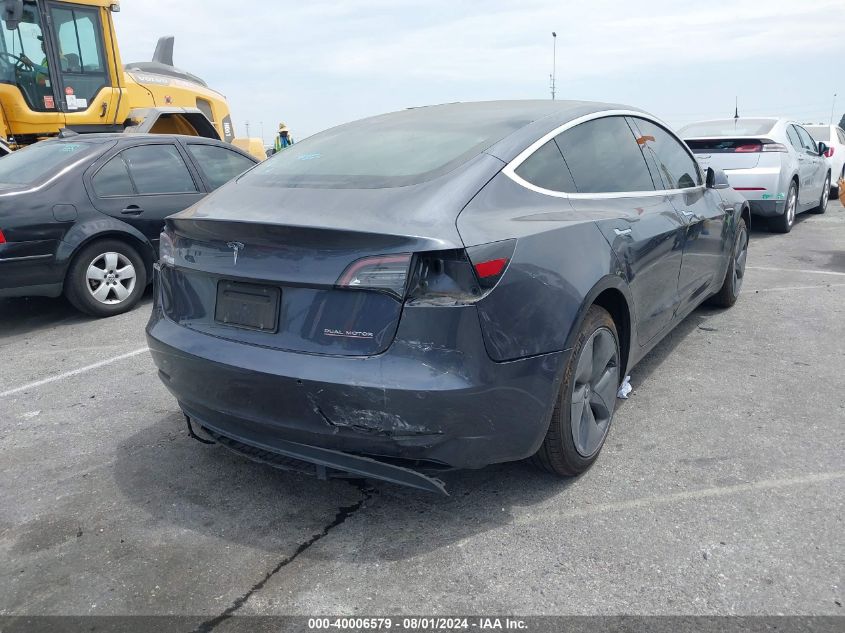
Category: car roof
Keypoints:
(532, 118)
(107, 137)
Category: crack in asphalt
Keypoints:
(342, 515)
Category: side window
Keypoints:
(677, 167)
(218, 164)
(841, 136)
(546, 168)
(79, 46)
(113, 179)
(158, 169)
(807, 140)
(794, 139)
(603, 157)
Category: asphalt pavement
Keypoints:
(720, 490)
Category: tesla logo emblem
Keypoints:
(237, 247)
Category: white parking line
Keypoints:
(690, 495)
(796, 270)
(800, 288)
(73, 372)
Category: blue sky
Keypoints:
(319, 63)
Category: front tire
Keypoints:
(824, 198)
(106, 278)
(729, 292)
(585, 405)
(784, 222)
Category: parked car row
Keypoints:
(776, 164)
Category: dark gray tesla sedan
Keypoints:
(443, 287)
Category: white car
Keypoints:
(775, 163)
(834, 137)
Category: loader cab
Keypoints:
(55, 67)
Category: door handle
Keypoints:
(621, 232)
(132, 209)
(688, 214)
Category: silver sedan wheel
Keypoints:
(825, 194)
(791, 205)
(111, 278)
(594, 392)
(740, 257)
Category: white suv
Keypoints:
(834, 137)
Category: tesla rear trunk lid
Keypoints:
(263, 265)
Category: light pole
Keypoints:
(554, 63)
(247, 129)
(832, 108)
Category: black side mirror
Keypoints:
(823, 148)
(12, 13)
(716, 179)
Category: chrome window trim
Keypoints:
(510, 169)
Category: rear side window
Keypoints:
(841, 136)
(113, 179)
(677, 168)
(546, 168)
(794, 139)
(603, 157)
(218, 164)
(38, 162)
(158, 169)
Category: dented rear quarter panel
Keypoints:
(560, 257)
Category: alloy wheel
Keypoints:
(791, 204)
(740, 257)
(594, 391)
(111, 278)
(825, 194)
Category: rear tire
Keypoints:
(825, 197)
(784, 222)
(591, 379)
(106, 278)
(729, 292)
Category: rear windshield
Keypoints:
(819, 132)
(36, 163)
(729, 127)
(392, 150)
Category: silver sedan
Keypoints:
(775, 163)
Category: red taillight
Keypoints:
(743, 149)
(2, 237)
(490, 261)
(491, 268)
(829, 152)
(381, 272)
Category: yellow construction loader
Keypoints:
(60, 67)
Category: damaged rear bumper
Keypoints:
(312, 460)
(426, 403)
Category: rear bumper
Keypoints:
(767, 208)
(30, 269)
(762, 187)
(434, 399)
